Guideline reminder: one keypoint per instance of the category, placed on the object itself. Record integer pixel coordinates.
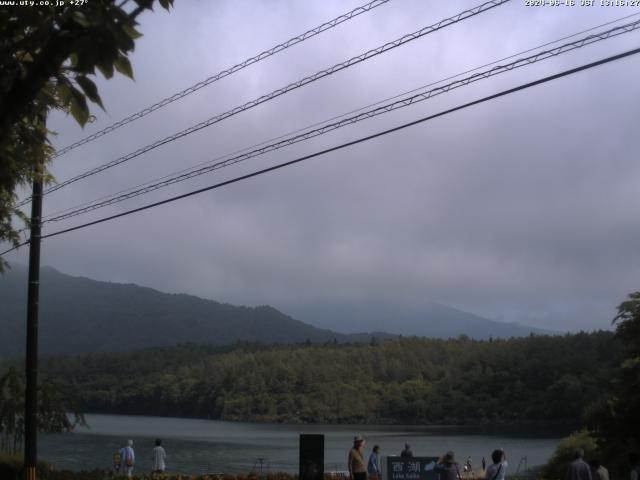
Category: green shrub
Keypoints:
(11, 469)
(10, 465)
(557, 464)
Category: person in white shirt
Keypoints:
(598, 472)
(159, 456)
(497, 470)
(127, 459)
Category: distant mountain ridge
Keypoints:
(80, 315)
(427, 320)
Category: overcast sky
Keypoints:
(523, 209)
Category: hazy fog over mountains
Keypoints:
(517, 209)
(83, 315)
(80, 315)
(429, 320)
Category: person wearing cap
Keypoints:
(407, 451)
(447, 467)
(578, 469)
(498, 469)
(127, 459)
(357, 466)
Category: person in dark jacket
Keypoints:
(447, 467)
(407, 453)
(373, 467)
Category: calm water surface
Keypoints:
(200, 446)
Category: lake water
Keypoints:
(201, 446)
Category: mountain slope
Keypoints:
(79, 315)
(429, 320)
(82, 315)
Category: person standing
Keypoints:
(598, 472)
(578, 468)
(357, 467)
(373, 467)
(447, 467)
(127, 459)
(406, 453)
(484, 465)
(117, 459)
(498, 468)
(634, 461)
(159, 456)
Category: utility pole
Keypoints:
(31, 394)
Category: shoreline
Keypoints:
(196, 446)
(565, 426)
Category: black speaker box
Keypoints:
(311, 457)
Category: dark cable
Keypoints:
(281, 91)
(127, 191)
(225, 73)
(353, 142)
(404, 102)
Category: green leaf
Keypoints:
(81, 19)
(131, 31)
(123, 65)
(90, 90)
(73, 58)
(64, 92)
(166, 4)
(106, 68)
(146, 4)
(78, 106)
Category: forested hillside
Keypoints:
(79, 315)
(409, 380)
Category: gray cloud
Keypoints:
(521, 209)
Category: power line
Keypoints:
(405, 102)
(379, 102)
(225, 73)
(281, 91)
(348, 144)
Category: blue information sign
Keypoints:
(412, 468)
